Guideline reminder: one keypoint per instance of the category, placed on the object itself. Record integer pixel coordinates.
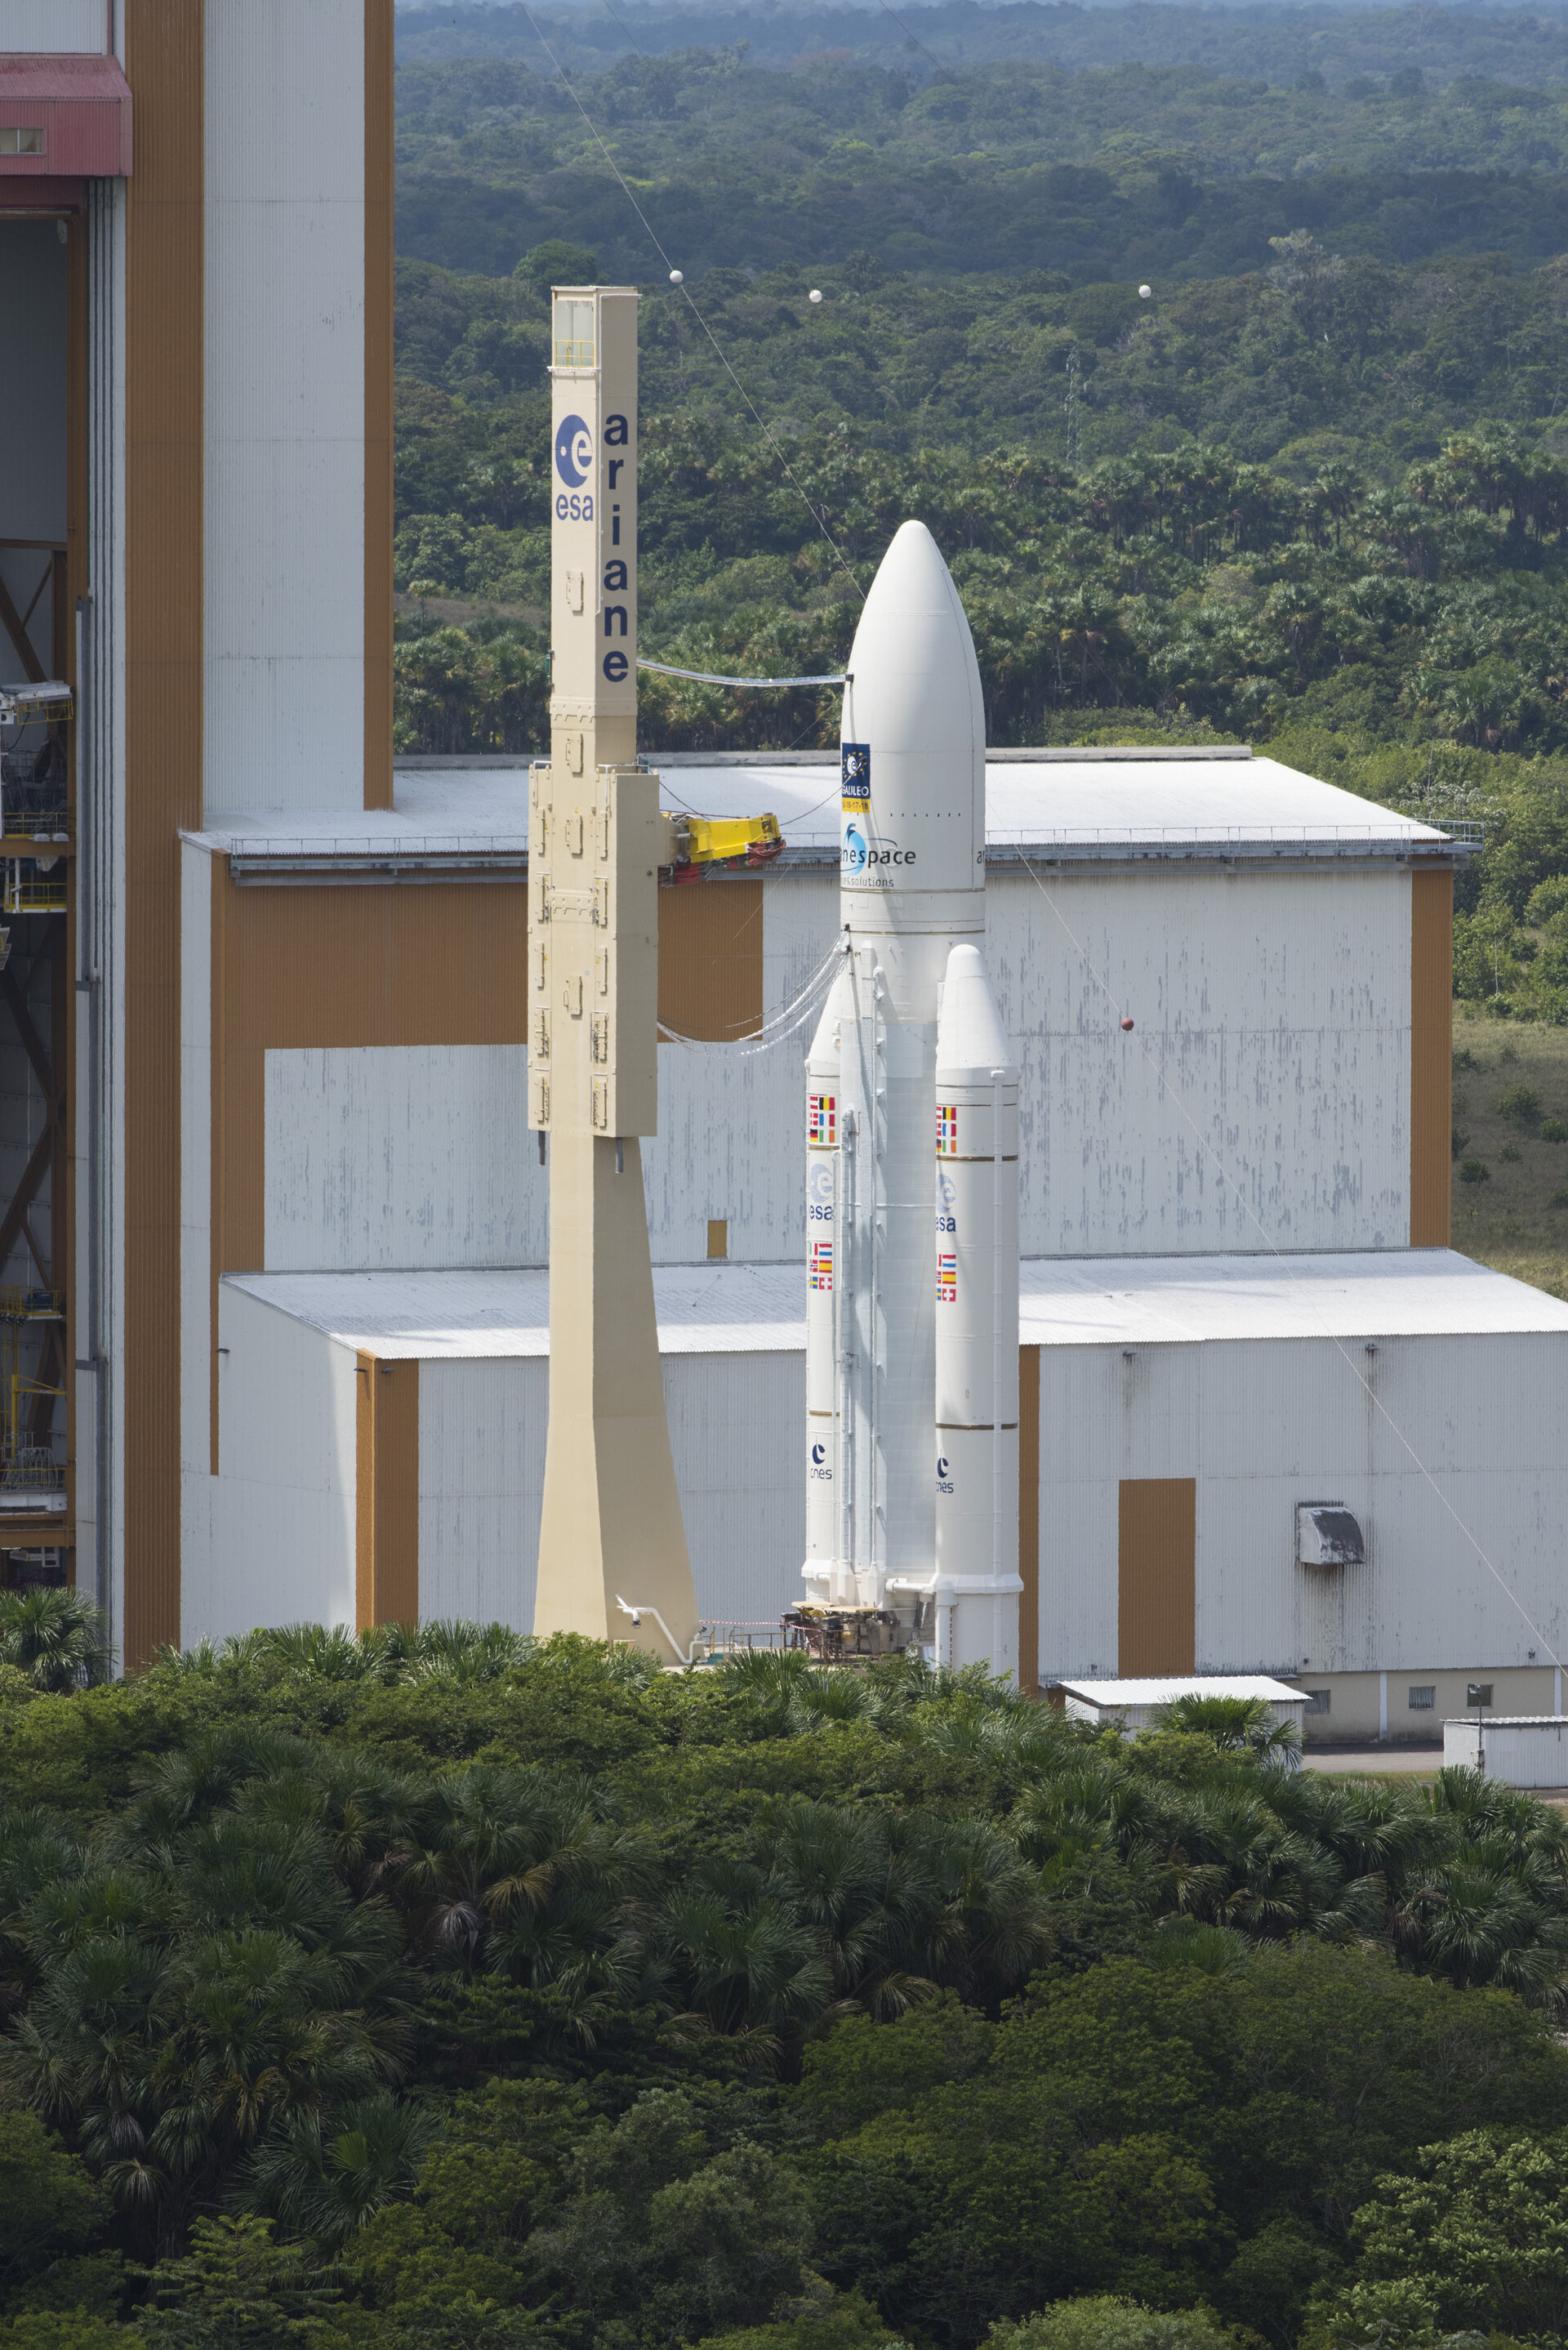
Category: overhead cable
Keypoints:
(708, 677)
(783, 1023)
(676, 278)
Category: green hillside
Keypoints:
(1125, 171)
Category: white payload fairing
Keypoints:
(912, 1157)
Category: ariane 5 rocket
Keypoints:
(912, 1157)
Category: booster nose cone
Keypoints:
(912, 841)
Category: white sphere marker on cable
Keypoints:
(1144, 293)
(677, 277)
(813, 296)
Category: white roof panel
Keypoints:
(725, 1308)
(703, 1309)
(1187, 1300)
(1165, 1693)
(1055, 802)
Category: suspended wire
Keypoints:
(701, 321)
(1103, 983)
(778, 1025)
(707, 677)
(915, 42)
(624, 28)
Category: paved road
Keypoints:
(1381, 1760)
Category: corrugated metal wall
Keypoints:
(412, 1156)
(736, 1428)
(733, 1426)
(55, 27)
(279, 1531)
(284, 413)
(1275, 1006)
(1276, 1009)
(1264, 1426)
(482, 1477)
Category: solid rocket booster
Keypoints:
(822, 1161)
(912, 888)
(977, 1586)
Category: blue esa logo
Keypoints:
(574, 451)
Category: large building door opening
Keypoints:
(38, 273)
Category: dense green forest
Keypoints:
(455, 1990)
(1180, 172)
(1264, 40)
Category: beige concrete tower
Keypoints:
(611, 1529)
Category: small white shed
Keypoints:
(1134, 1704)
(1522, 1750)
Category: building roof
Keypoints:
(746, 1309)
(1191, 1299)
(1111, 1694)
(1490, 1721)
(1059, 806)
(703, 1309)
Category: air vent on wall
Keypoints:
(1327, 1535)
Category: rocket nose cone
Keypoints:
(915, 680)
(971, 1037)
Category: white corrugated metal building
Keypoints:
(1236, 1300)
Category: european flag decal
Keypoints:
(854, 776)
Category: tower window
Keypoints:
(573, 333)
(18, 141)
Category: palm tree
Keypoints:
(57, 1637)
(1234, 1723)
(325, 2176)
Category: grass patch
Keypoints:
(1511, 1117)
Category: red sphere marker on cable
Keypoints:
(1127, 1020)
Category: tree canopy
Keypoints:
(457, 1987)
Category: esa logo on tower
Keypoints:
(574, 462)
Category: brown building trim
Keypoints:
(1431, 1055)
(293, 970)
(1157, 1575)
(387, 1492)
(1029, 1520)
(379, 84)
(711, 960)
(163, 583)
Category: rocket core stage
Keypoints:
(912, 1112)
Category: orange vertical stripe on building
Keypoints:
(379, 84)
(387, 1498)
(163, 594)
(1431, 1055)
(364, 1491)
(1157, 1575)
(1029, 1520)
(397, 1494)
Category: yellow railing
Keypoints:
(24, 891)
